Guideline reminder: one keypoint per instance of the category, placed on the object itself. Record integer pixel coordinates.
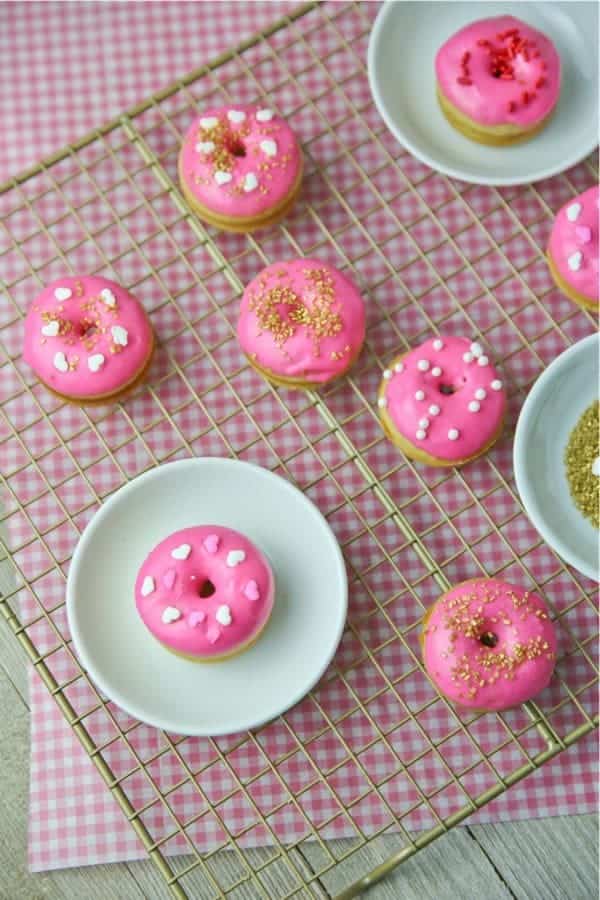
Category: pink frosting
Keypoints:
(86, 337)
(448, 426)
(574, 243)
(514, 660)
(500, 71)
(172, 580)
(235, 185)
(302, 319)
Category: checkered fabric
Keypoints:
(373, 748)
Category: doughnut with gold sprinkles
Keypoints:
(87, 339)
(488, 645)
(240, 167)
(301, 323)
(442, 403)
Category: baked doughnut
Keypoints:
(498, 80)
(87, 339)
(573, 249)
(301, 323)
(205, 593)
(240, 167)
(489, 645)
(442, 403)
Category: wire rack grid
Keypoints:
(373, 749)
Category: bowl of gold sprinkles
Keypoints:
(557, 456)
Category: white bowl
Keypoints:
(550, 412)
(173, 693)
(405, 39)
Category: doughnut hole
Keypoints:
(206, 588)
(488, 639)
(86, 328)
(447, 389)
(236, 147)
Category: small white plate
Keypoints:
(405, 39)
(156, 686)
(552, 409)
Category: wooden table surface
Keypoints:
(544, 859)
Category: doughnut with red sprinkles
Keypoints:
(498, 80)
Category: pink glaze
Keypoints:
(169, 584)
(477, 675)
(76, 364)
(574, 243)
(446, 426)
(302, 320)
(240, 186)
(529, 90)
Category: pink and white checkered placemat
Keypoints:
(74, 820)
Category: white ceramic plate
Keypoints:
(550, 412)
(156, 686)
(405, 38)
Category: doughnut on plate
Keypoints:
(552, 409)
(405, 39)
(130, 666)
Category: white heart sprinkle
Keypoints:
(236, 115)
(474, 406)
(181, 552)
(223, 615)
(60, 362)
(51, 329)
(107, 297)
(399, 367)
(421, 435)
(63, 293)
(436, 371)
(453, 434)
(419, 395)
(250, 182)
(387, 374)
(423, 365)
(596, 467)
(482, 361)
(496, 385)
(575, 260)
(434, 410)
(476, 349)
(148, 585)
(222, 177)
(209, 122)
(170, 614)
(438, 344)
(119, 335)
(235, 557)
(468, 357)
(264, 115)
(205, 146)
(480, 394)
(269, 147)
(95, 362)
(573, 212)
(382, 403)
(423, 423)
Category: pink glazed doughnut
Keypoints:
(301, 323)
(488, 645)
(240, 167)
(443, 403)
(87, 339)
(498, 80)
(205, 593)
(573, 249)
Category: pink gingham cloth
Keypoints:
(73, 818)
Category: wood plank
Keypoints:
(545, 859)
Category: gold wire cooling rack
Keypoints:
(430, 254)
